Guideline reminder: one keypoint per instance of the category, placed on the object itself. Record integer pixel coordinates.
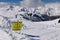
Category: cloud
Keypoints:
(3, 4)
(31, 3)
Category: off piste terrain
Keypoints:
(39, 23)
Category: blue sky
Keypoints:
(13, 1)
(17, 1)
(48, 1)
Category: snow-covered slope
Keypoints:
(42, 30)
(4, 35)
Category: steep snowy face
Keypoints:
(54, 8)
(49, 9)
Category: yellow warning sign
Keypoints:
(16, 26)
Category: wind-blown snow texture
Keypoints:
(47, 30)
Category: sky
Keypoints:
(12, 1)
(17, 1)
(30, 3)
(49, 1)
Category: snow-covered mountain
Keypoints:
(30, 30)
(48, 9)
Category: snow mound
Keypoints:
(4, 36)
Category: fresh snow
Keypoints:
(43, 30)
(4, 35)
